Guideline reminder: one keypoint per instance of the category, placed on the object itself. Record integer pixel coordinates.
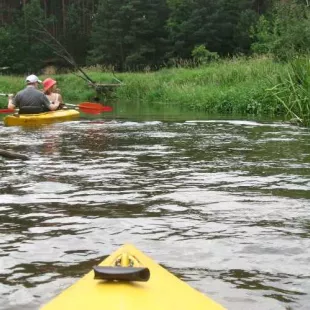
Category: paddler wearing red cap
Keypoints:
(50, 90)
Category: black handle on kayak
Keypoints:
(122, 273)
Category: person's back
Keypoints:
(31, 99)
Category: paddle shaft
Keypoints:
(84, 109)
(91, 106)
(71, 105)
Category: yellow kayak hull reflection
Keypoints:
(41, 118)
(163, 291)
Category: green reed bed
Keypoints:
(292, 90)
(231, 86)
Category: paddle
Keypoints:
(91, 106)
(6, 111)
(83, 108)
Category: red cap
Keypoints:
(48, 83)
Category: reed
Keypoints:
(227, 86)
(293, 90)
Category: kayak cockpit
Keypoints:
(125, 268)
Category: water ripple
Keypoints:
(222, 204)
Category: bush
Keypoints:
(203, 56)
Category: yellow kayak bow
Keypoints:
(129, 280)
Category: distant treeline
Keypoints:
(138, 34)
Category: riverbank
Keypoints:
(229, 86)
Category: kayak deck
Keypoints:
(162, 291)
(41, 118)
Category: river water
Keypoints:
(223, 204)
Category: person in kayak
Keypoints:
(52, 93)
(30, 100)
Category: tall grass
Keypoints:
(227, 86)
(293, 90)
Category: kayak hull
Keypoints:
(163, 291)
(41, 118)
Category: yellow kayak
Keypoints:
(129, 280)
(40, 118)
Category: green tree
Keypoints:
(107, 37)
(76, 36)
(129, 34)
(21, 48)
(11, 48)
(285, 32)
(184, 25)
(218, 25)
(35, 51)
(147, 36)
(243, 38)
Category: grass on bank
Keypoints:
(235, 86)
(293, 90)
(228, 86)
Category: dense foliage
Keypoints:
(139, 34)
(285, 31)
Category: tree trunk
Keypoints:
(63, 17)
(45, 9)
(1, 15)
(12, 155)
(24, 3)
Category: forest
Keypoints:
(131, 35)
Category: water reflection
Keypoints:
(222, 204)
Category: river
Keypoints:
(222, 203)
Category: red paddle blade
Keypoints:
(91, 105)
(90, 111)
(6, 111)
(94, 106)
(107, 109)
